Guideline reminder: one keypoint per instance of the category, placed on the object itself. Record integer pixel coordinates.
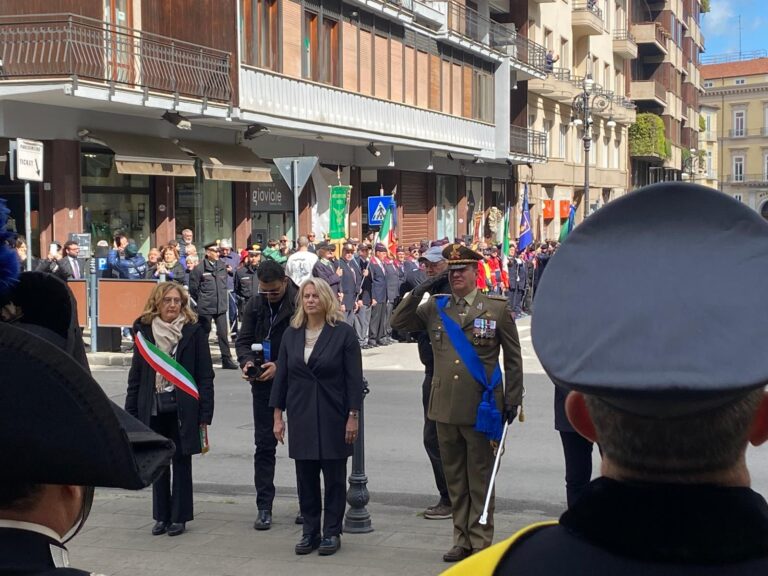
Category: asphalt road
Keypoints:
(532, 472)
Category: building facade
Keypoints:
(705, 166)
(736, 93)
(666, 85)
(589, 41)
(159, 115)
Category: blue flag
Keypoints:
(526, 234)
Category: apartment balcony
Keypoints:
(296, 104)
(748, 180)
(587, 18)
(467, 28)
(650, 35)
(648, 91)
(559, 85)
(624, 44)
(527, 144)
(126, 65)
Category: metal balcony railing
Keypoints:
(624, 35)
(500, 37)
(67, 45)
(588, 6)
(527, 141)
(753, 179)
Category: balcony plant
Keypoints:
(647, 138)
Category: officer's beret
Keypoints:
(459, 256)
(656, 303)
(380, 248)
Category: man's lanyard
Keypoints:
(273, 315)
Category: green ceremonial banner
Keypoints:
(338, 218)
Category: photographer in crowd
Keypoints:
(265, 318)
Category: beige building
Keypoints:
(739, 91)
(589, 41)
(704, 166)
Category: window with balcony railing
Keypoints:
(738, 169)
(321, 54)
(739, 124)
(259, 34)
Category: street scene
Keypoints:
(460, 287)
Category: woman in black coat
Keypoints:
(319, 382)
(164, 398)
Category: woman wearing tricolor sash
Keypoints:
(170, 388)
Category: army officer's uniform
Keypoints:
(467, 454)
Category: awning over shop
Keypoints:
(135, 154)
(228, 162)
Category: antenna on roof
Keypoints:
(739, 36)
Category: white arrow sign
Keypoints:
(29, 160)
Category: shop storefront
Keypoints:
(271, 210)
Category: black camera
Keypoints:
(256, 370)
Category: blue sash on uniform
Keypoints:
(488, 420)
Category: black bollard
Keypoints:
(357, 519)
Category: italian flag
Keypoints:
(387, 231)
(166, 366)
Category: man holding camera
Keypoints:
(265, 318)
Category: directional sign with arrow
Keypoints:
(377, 209)
(29, 160)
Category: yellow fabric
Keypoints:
(469, 298)
(484, 563)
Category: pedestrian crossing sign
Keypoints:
(377, 209)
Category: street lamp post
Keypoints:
(582, 106)
(690, 165)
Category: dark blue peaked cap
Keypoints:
(656, 303)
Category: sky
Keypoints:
(721, 24)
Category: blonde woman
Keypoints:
(319, 382)
(170, 389)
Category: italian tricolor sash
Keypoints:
(166, 366)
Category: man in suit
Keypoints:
(394, 276)
(363, 316)
(465, 328)
(379, 320)
(208, 287)
(351, 281)
(71, 264)
(327, 268)
(433, 280)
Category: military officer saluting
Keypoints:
(673, 398)
(468, 399)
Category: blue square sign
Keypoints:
(377, 209)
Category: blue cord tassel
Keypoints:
(488, 420)
(9, 262)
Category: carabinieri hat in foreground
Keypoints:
(459, 256)
(633, 308)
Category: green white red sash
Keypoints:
(166, 366)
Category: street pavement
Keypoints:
(221, 540)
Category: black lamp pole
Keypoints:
(583, 105)
(358, 519)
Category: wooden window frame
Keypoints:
(254, 28)
(314, 66)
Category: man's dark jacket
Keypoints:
(208, 287)
(350, 283)
(326, 270)
(257, 319)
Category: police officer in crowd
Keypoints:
(467, 330)
(265, 318)
(208, 288)
(673, 398)
(432, 280)
(58, 428)
(247, 278)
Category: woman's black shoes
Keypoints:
(307, 543)
(159, 528)
(329, 546)
(176, 528)
(263, 521)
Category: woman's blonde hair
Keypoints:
(152, 308)
(328, 301)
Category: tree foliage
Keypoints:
(704, 6)
(647, 137)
